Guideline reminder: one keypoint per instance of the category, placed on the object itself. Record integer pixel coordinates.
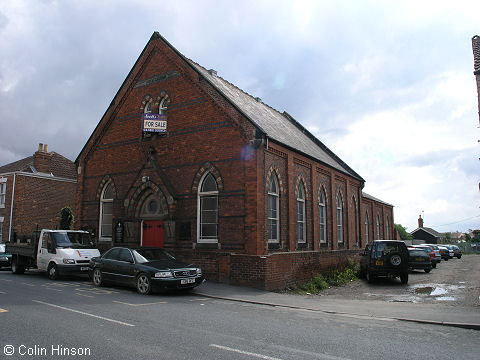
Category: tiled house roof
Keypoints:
(60, 166)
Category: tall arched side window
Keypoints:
(162, 108)
(301, 221)
(322, 207)
(207, 215)
(339, 219)
(366, 229)
(273, 210)
(387, 230)
(378, 228)
(106, 213)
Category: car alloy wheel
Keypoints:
(144, 286)
(97, 277)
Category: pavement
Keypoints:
(436, 314)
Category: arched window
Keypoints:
(273, 210)
(366, 228)
(339, 219)
(162, 109)
(106, 213)
(378, 228)
(301, 228)
(322, 207)
(148, 107)
(387, 229)
(207, 219)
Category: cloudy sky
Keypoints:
(387, 85)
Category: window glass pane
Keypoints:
(208, 203)
(300, 231)
(301, 193)
(108, 192)
(209, 217)
(209, 184)
(273, 185)
(272, 229)
(209, 231)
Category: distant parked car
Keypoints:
(147, 269)
(438, 256)
(5, 259)
(385, 258)
(445, 252)
(431, 253)
(456, 251)
(419, 260)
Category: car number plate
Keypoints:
(379, 262)
(187, 281)
(419, 259)
(84, 268)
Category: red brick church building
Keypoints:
(186, 160)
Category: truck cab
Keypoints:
(58, 252)
(62, 252)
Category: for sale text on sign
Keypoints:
(154, 123)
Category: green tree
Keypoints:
(402, 231)
(66, 218)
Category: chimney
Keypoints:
(420, 221)
(42, 160)
(212, 72)
(476, 54)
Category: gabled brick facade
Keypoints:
(214, 128)
(35, 190)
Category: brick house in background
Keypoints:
(186, 160)
(33, 191)
(428, 235)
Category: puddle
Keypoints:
(437, 292)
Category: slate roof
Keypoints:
(281, 127)
(60, 167)
(428, 230)
(367, 196)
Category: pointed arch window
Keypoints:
(366, 228)
(301, 223)
(106, 213)
(322, 206)
(378, 228)
(273, 210)
(162, 108)
(387, 229)
(339, 219)
(207, 218)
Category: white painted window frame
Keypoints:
(201, 194)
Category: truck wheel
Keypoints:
(369, 277)
(404, 278)
(52, 271)
(17, 269)
(97, 277)
(427, 270)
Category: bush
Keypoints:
(335, 277)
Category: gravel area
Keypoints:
(455, 282)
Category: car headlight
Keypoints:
(68, 261)
(3, 258)
(163, 274)
(199, 271)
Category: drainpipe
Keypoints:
(11, 208)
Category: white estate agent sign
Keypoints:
(155, 123)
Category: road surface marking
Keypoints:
(84, 313)
(28, 284)
(244, 352)
(49, 288)
(3, 310)
(6, 280)
(2, 292)
(85, 295)
(153, 303)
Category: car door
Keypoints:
(108, 264)
(125, 267)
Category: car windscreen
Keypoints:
(72, 240)
(2, 248)
(147, 255)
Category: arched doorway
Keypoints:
(153, 213)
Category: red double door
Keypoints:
(153, 233)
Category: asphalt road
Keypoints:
(47, 319)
